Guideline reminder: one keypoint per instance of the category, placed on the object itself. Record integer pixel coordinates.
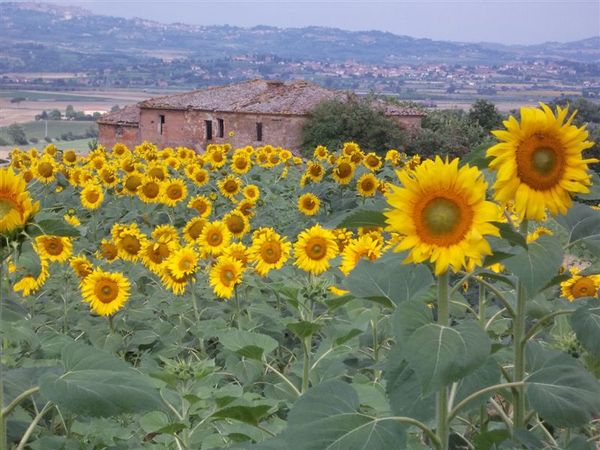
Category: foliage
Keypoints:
(334, 122)
(485, 113)
(17, 134)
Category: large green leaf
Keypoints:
(409, 316)
(560, 389)
(441, 355)
(327, 417)
(387, 280)
(586, 325)
(244, 413)
(583, 225)
(248, 344)
(363, 218)
(96, 383)
(486, 375)
(54, 227)
(538, 265)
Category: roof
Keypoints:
(127, 116)
(255, 96)
(261, 97)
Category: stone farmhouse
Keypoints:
(256, 112)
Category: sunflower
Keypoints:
(157, 171)
(119, 150)
(314, 249)
(238, 251)
(539, 162)
(367, 185)
(314, 171)
(230, 186)
(129, 240)
(54, 248)
(167, 232)
(343, 171)
(91, 196)
(45, 169)
(309, 204)
(71, 219)
(225, 275)
(183, 262)
(156, 251)
(214, 238)
(535, 234)
(176, 284)
(200, 177)
(342, 236)
(108, 176)
(29, 283)
(579, 286)
(443, 214)
(217, 157)
(372, 161)
(193, 229)
(202, 204)
(237, 223)
(364, 247)
(107, 250)
(16, 206)
(128, 165)
(106, 292)
(150, 190)
(69, 157)
(321, 152)
(349, 148)
(268, 251)
(251, 192)
(173, 192)
(132, 182)
(81, 266)
(241, 163)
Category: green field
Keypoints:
(56, 128)
(34, 96)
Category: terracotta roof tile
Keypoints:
(129, 116)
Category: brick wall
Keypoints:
(109, 135)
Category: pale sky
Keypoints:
(502, 21)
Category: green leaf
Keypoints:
(303, 329)
(477, 157)
(583, 224)
(409, 316)
(28, 261)
(54, 227)
(388, 281)
(538, 265)
(328, 417)
(154, 421)
(594, 193)
(247, 414)
(491, 439)
(510, 234)
(560, 389)
(580, 443)
(248, 344)
(96, 383)
(585, 322)
(363, 218)
(486, 375)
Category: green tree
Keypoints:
(55, 114)
(70, 112)
(334, 122)
(17, 134)
(447, 132)
(485, 113)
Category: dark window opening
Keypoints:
(259, 134)
(208, 124)
(161, 124)
(221, 124)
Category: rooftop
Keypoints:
(255, 96)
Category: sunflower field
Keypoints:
(251, 299)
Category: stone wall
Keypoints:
(110, 134)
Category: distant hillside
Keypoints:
(49, 37)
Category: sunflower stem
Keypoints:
(306, 363)
(482, 322)
(238, 308)
(519, 349)
(443, 319)
(111, 324)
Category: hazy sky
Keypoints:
(503, 21)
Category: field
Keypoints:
(251, 299)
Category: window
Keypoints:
(208, 126)
(161, 123)
(221, 131)
(259, 130)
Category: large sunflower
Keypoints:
(91, 196)
(539, 162)
(367, 185)
(106, 292)
(237, 223)
(193, 229)
(269, 251)
(230, 186)
(202, 204)
(442, 213)
(174, 191)
(343, 171)
(214, 237)
(314, 249)
(150, 190)
(309, 204)
(129, 240)
(225, 275)
(16, 206)
(579, 286)
(183, 262)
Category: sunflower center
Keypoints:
(131, 245)
(54, 247)
(92, 196)
(270, 252)
(195, 230)
(45, 169)
(185, 264)
(108, 251)
(151, 190)
(157, 173)
(367, 185)
(344, 170)
(6, 206)
(540, 163)
(443, 220)
(70, 156)
(584, 287)
(133, 182)
(230, 186)
(228, 276)
(174, 192)
(316, 248)
(235, 224)
(241, 163)
(215, 238)
(543, 160)
(107, 291)
(309, 203)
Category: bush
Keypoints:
(34, 140)
(334, 122)
(17, 134)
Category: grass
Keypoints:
(79, 145)
(50, 96)
(56, 128)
